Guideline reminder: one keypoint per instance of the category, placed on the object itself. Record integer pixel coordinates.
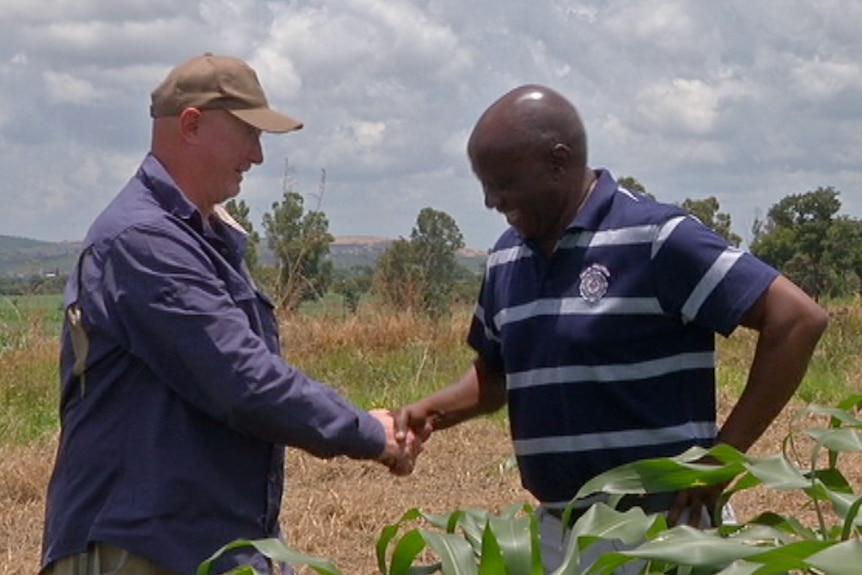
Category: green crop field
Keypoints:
(377, 357)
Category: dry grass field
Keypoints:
(336, 508)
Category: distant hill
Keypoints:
(350, 251)
(24, 257)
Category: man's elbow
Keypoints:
(813, 321)
(790, 312)
(493, 399)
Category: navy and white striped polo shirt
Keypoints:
(608, 344)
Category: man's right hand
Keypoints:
(399, 455)
(412, 418)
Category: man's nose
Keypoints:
(256, 156)
(492, 199)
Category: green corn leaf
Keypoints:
(831, 479)
(740, 567)
(843, 414)
(492, 557)
(743, 482)
(681, 545)
(663, 474)
(406, 550)
(843, 558)
(777, 472)
(851, 402)
(851, 519)
(603, 522)
(785, 526)
(446, 522)
(515, 508)
(846, 506)
(842, 440)
(630, 527)
(276, 550)
(786, 557)
(837, 415)
(515, 541)
(388, 533)
(762, 535)
(607, 564)
(456, 555)
(472, 524)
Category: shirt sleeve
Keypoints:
(483, 335)
(164, 302)
(702, 278)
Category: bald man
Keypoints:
(596, 319)
(176, 403)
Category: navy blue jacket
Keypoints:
(173, 436)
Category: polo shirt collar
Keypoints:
(590, 216)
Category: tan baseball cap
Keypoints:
(210, 82)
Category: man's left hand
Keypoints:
(691, 503)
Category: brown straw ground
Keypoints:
(336, 508)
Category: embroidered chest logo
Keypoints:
(594, 282)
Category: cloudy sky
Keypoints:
(748, 101)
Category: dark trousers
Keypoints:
(104, 559)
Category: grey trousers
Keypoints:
(105, 560)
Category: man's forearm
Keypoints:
(476, 393)
(790, 326)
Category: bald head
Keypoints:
(530, 119)
(529, 151)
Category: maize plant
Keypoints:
(478, 542)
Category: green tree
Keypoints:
(239, 211)
(300, 241)
(421, 272)
(398, 276)
(633, 185)
(436, 238)
(843, 254)
(352, 284)
(793, 238)
(707, 211)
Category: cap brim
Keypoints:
(267, 120)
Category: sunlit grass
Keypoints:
(24, 317)
(28, 390)
(378, 357)
(835, 370)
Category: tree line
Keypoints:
(419, 273)
(803, 235)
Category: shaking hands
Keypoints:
(405, 435)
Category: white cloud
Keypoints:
(67, 89)
(690, 106)
(819, 80)
(37, 12)
(745, 101)
(369, 134)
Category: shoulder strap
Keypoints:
(77, 333)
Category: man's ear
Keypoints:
(560, 156)
(189, 123)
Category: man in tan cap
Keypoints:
(176, 404)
